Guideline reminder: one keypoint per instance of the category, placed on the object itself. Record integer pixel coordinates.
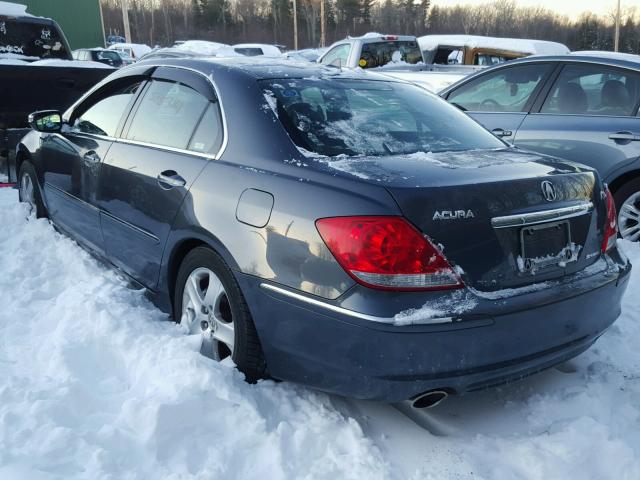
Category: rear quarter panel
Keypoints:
(260, 155)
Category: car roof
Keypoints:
(592, 57)
(603, 58)
(371, 37)
(265, 68)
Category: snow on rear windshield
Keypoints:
(31, 40)
(362, 117)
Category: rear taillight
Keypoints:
(611, 227)
(387, 253)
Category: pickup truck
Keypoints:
(432, 61)
(36, 72)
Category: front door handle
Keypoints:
(501, 132)
(91, 157)
(169, 179)
(624, 137)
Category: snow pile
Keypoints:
(267, 50)
(532, 47)
(10, 9)
(138, 49)
(96, 383)
(212, 49)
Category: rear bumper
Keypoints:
(493, 342)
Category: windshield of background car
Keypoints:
(31, 40)
(378, 54)
(363, 117)
(109, 55)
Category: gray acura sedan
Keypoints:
(583, 107)
(340, 230)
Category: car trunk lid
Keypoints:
(506, 218)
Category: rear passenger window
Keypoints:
(208, 136)
(168, 115)
(594, 90)
(505, 90)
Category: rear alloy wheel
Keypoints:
(28, 189)
(628, 204)
(206, 311)
(208, 302)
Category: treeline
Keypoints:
(161, 22)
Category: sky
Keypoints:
(572, 8)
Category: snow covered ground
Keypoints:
(96, 384)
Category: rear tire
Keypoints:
(627, 199)
(28, 189)
(225, 312)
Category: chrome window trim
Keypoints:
(165, 148)
(90, 135)
(345, 311)
(541, 216)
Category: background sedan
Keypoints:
(582, 107)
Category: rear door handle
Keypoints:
(501, 132)
(91, 157)
(169, 179)
(624, 137)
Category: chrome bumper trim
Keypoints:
(345, 311)
(543, 216)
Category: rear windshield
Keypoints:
(249, 51)
(363, 117)
(31, 40)
(108, 55)
(378, 54)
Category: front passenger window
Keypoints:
(337, 56)
(505, 90)
(103, 117)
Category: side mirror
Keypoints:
(46, 121)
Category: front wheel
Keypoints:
(627, 200)
(208, 301)
(28, 191)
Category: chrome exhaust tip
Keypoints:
(429, 399)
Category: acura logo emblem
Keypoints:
(548, 191)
